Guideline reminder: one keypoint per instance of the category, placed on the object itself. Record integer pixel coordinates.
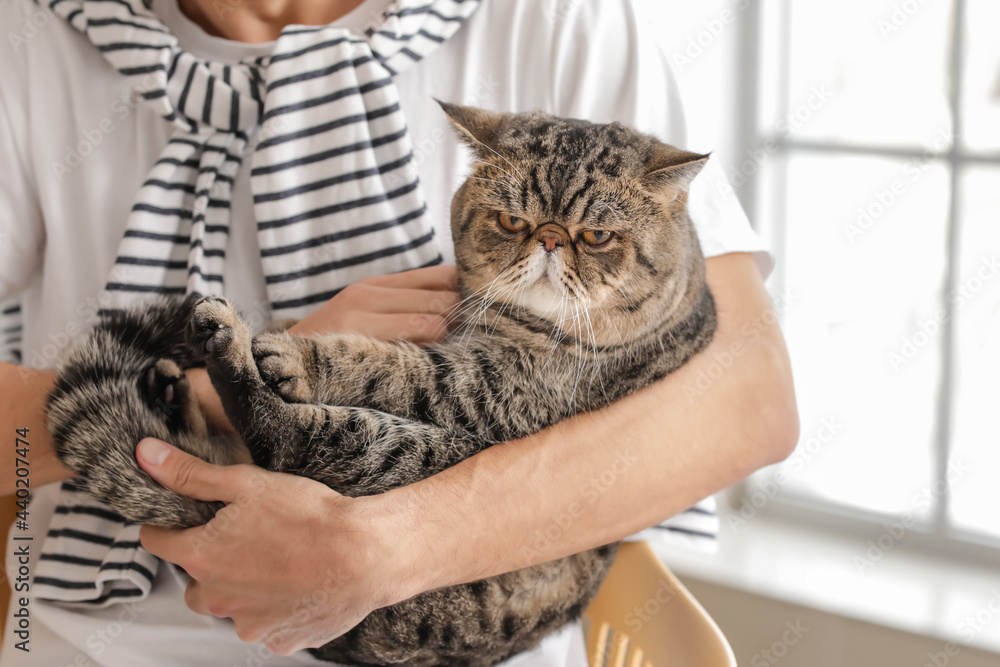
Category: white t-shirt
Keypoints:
(62, 104)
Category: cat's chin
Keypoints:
(545, 300)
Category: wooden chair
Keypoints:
(643, 616)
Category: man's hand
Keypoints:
(413, 305)
(293, 563)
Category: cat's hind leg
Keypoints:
(171, 397)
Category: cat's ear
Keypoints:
(476, 127)
(672, 168)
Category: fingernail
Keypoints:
(153, 451)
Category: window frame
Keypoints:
(938, 534)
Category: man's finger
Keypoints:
(174, 546)
(185, 474)
(194, 598)
(413, 327)
(389, 300)
(441, 277)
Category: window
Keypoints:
(871, 158)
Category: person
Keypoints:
(79, 143)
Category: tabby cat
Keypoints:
(583, 282)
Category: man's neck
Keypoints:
(257, 21)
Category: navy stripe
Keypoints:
(173, 65)
(135, 567)
(103, 22)
(114, 593)
(193, 164)
(144, 289)
(315, 47)
(164, 185)
(80, 535)
(326, 99)
(345, 234)
(332, 125)
(351, 261)
(406, 38)
(92, 511)
(127, 46)
(326, 296)
(336, 180)
(145, 69)
(149, 208)
(206, 112)
(318, 73)
(338, 208)
(182, 102)
(61, 583)
(145, 261)
(153, 236)
(211, 277)
(413, 56)
(72, 560)
(333, 152)
(234, 107)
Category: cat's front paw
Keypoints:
(279, 360)
(213, 326)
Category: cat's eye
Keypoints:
(596, 237)
(512, 223)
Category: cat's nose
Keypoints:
(550, 242)
(551, 236)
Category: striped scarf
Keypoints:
(335, 192)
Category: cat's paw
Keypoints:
(171, 398)
(213, 326)
(159, 386)
(280, 364)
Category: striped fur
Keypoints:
(551, 326)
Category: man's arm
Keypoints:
(612, 473)
(23, 393)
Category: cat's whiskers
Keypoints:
(499, 156)
(498, 167)
(484, 306)
(478, 300)
(500, 183)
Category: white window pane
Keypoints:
(864, 261)
(867, 71)
(981, 94)
(975, 435)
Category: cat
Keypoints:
(583, 281)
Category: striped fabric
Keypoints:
(335, 192)
(696, 527)
(10, 331)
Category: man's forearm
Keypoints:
(24, 392)
(605, 475)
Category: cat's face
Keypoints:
(582, 225)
